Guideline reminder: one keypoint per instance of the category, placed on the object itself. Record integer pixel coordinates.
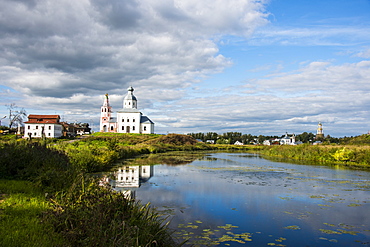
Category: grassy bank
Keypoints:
(355, 156)
(76, 212)
(21, 209)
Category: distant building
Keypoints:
(320, 132)
(238, 143)
(275, 141)
(288, 139)
(41, 126)
(129, 119)
(73, 129)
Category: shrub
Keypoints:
(97, 216)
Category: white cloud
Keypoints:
(67, 47)
(295, 102)
(315, 35)
(364, 54)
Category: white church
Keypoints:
(129, 119)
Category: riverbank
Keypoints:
(351, 156)
(74, 210)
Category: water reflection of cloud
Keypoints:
(278, 193)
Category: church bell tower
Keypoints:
(105, 115)
(319, 133)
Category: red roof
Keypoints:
(51, 119)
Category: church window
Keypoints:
(144, 128)
(133, 127)
(111, 127)
(133, 120)
(49, 127)
(29, 127)
(102, 110)
(123, 127)
(123, 120)
(37, 127)
(128, 120)
(48, 134)
(105, 109)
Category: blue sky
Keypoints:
(256, 67)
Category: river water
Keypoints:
(242, 199)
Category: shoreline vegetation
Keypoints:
(49, 198)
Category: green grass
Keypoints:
(352, 156)
(21, 221)
(96, 216)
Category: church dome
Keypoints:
(130, 95)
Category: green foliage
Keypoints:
(343, 154)
(349, 155)
(21, 208)
(35, 162)
(96, 216)
(357, 140)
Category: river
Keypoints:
(242, 199)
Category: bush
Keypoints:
(35, 162)
(97, 216)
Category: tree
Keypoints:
(16, 115)
(305, 137)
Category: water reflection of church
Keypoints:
(131, 176)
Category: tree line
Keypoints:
(232, 137)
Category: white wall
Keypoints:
(131, 120)
(50, 130)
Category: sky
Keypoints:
(263, 67)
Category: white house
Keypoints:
(129, 118)
(39, 126)
(288, 140)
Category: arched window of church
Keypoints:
(133, 127)
(123, 127)
(105, 109)
(144, 128)
(111, 127)
(133, 120)
(123, 120)
(102, 110)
